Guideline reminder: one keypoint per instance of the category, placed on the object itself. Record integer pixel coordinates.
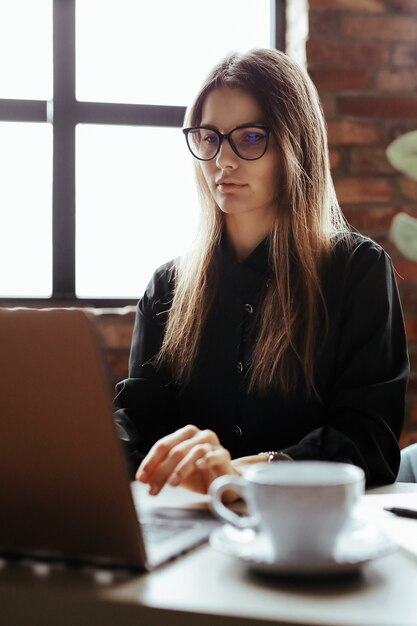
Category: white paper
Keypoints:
(403, 531)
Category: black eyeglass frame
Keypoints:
(223, 136)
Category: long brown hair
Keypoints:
(308, 218)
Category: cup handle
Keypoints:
(220, 485)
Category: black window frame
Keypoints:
(65, 112)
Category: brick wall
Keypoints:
(362, 56)
(115, 327)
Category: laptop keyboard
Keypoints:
(167, 522)
(156, 530)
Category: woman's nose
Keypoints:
(226, 157)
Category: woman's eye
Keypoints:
(252, 138)
(210, 139)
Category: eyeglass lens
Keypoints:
(248, 142)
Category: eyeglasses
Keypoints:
(248, 142)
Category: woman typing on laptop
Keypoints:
(281, 330)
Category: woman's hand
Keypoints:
(188, 457)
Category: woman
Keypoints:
(281, 330)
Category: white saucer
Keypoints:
(358, 545)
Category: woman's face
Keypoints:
(239, 186)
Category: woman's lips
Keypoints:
(229, 187)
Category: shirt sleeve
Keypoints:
(367, 383)
(145, 402)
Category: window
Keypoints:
(97, 184)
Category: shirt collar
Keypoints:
(247, 277)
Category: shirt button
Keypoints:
(238, 431)
(249, 308)
(239, 367)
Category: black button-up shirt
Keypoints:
(361, 368)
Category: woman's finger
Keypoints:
(213, 458)
(161, 449)
(158, 474)
(175, 457)
(201, 457)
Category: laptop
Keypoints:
(64, 489)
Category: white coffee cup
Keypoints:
(301, 507)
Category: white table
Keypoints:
(211, 589)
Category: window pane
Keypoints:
(159, 52)
(25, 210)
(26, 49)
(133, 212)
